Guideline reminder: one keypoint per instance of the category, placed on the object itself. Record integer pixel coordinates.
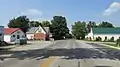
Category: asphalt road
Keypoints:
(64, 53)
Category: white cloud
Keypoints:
(40, 19)
(113, 8)
(32, 12)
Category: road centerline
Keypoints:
(48, 62)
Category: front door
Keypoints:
(18, 36)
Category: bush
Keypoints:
(90, 38)
(105, 39)
(86, 38)
(98, 39)
(111, 39)
(118, 41)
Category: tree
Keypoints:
(79, 30)
(34, 24)
(58, 27)
(68, 35)
(91, 25)
(45, 23)
(19, 22)
(105, 25)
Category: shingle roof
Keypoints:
(106, 30)
(32, 29)
(47, 29)
(10, 30)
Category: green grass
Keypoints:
(115, 45)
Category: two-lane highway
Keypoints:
(66, 53)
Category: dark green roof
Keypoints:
(106, 30)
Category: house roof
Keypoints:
(47, 29)
(10, 30)
(32, 29)
(106, 30)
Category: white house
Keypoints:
(36, 33)
(104, 32)
(11, 34)
(1, 33)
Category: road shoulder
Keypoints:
(102, 44)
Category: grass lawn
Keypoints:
(115, 45)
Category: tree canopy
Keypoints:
(106, 25)
(79, 30)
(59, 27)
(19, 22)
(34, 24)
(90, 25)
(45, 23)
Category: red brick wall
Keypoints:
(40, 36)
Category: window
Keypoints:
(18, 36)
(13, 35)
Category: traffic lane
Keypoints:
(57, 44)
(77, 53)
(70, 49)
(33, 57)
(80, 50)
(74, 50)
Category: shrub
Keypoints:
(105, 39)
(118, 41)
(86, 38)
(111, 39)
(98, 39)
(90, 38)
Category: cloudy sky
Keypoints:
(73, 10)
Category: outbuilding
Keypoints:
(11, 34)
(37, 33)
(104, 33)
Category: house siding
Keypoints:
(109, 36)
(30, 36)
(39, 34)
(40, 30)
(116, 36)
(7, 38)
(90, 35)
(12, 37)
